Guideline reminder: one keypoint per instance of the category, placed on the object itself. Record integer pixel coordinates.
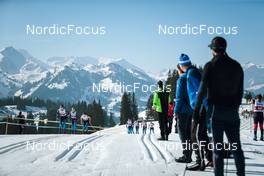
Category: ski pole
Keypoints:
(197, 140)
(227, 162)
(199, 144)
(185, 169)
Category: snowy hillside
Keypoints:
(109, 152)
(254, 77)
(161, 75)
(69, 78)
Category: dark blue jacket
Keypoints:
(182, 105)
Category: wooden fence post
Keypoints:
(6, 129)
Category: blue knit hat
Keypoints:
(184, 60)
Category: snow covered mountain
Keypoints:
(69, 78)
(161, 75)
(86, 78)
(254, 77)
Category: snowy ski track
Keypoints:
(112, 152)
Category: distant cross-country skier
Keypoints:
(86, 122)
(222, 82)
(62, 116)
(129, 126)
(136, 125)
(151, 128)
(161, 101)
(258, 117)
(73, 116)
(144, 127)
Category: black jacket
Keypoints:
(21, 120)
(222, 82)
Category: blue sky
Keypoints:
(132, 29)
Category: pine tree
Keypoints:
(248, 96)
(111, 120)
(125, 110)
(134, 107)
(171, 83)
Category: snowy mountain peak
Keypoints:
(249, 65)
(125, 64)
(71, 60)
(8, 49)
(12, 60)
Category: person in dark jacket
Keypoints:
(223, 80)
(21, 122)
(183, 112)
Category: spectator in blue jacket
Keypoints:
(183, 112)
(193, 77)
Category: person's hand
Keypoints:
(153, 108)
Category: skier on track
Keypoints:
(129, 126)
(223, 80)
(136, 125)
(258, 117)
(144, 127)
(73, 116)
(151, 128)
(86, 121)
(62, 116)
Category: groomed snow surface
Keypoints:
(110, 152)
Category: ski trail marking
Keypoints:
(148, 151)
(74, 155)
(22, 144)
(65, 152)
(149, 148)
(162, 152)
(145, 151)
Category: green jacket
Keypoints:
(156, 101)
